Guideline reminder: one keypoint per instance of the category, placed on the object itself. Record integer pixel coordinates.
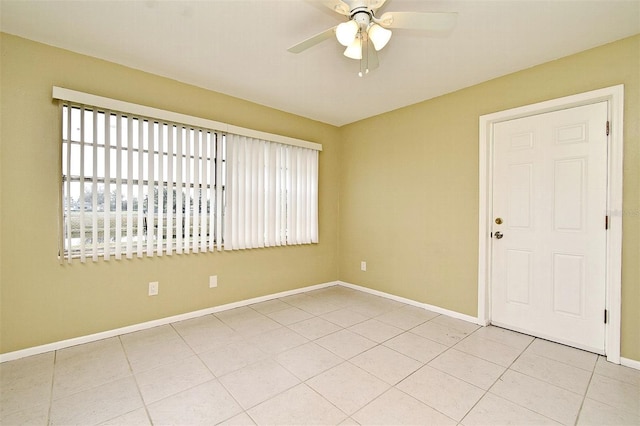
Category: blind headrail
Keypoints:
(63, 94)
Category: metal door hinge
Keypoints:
(607, 128)
(606, 222)
(606, 316)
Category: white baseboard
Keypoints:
(632, 363)
(411, 302)
(623, 361)
(10, 356)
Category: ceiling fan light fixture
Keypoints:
(379, 36)
(354, 51)
(346, 32)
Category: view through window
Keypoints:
(133, 185)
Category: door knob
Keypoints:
(498, 235)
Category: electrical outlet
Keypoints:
(213, 281)
(153, 288)
(363, 266)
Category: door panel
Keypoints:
(518, 276)
(549, 191)
(568, 191)
(568, 284)
(519, 207)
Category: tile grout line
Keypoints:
(534, 378)
(425, 364)
(343, 361)
(390, 386)
(217, 378)
(270, 357)
(584, 397)
(487, 391)
(135, 379)
(53, 378)
(322, 396)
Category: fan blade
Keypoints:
(337, 6)
(312, 41)
(432, 21)
(376, 4)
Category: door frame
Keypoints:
(614, 95)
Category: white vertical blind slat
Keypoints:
(151, 188)
(310, 194)
(160, 215)
(237, 201)
(254, 172)
(302, 198)
(170, 199)
(187, 191)
(202, 190)
(118, 238)
(129, 241)
(270, 185)
(83, 255)
(314, 196)
(68, 188)
(195, 243)
(107, 187)
(233, 186)
(212, 190)
(261, 192)
(292, 208)
(140, 147)
(282, 196)
(179, 201)
(220, 140)
(231, 194)
(242, 198)
(94, 189)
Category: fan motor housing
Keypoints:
(362, 16)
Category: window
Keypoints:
(136, 185)
(133, 185)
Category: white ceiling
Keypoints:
(239, 47)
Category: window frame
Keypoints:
(110, 106)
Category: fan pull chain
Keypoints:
(364, 46)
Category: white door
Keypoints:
(549, 242)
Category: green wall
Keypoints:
(399, 190)
(43, 301)
(409, 184)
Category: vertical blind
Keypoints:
(136, 186)
(272, 194)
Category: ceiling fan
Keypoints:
(365, 33)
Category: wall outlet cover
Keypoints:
(153, 288)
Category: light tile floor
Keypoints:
(330, 356)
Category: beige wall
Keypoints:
(409, 184)
(406, 182)
(43, 301)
